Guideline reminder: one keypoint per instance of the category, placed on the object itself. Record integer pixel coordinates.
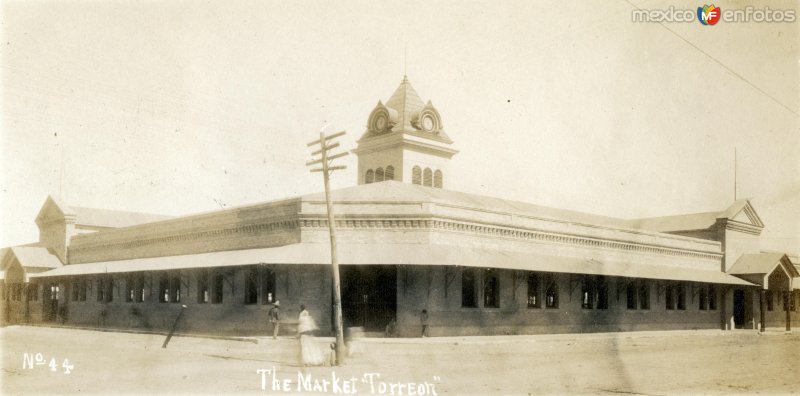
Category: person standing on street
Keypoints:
(310, 352)
(424, 319)
(275, 318)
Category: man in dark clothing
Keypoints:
(424, 319)
(275, 318)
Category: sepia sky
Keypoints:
(178, 107)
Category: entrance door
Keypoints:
(369, 296)
(50, 301)
(738, 308)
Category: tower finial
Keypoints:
(405, 62)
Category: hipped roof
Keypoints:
(99, 217)
(31, 257)
(395, 191)
(762, 264)
(399, 192)
(697, 221)
(407, 102)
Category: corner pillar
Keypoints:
(787, 307)
(762, 298)
(726, 313)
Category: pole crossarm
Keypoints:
(325, 148)
(330, 168)
(334, 136)
(326, 168)
(330, 158)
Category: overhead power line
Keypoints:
(724, 66)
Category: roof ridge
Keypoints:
(717, 212)
(120, 211)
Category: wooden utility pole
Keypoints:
(174, 326)
(326, 168)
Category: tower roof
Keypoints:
(406, 113)
(407, 102)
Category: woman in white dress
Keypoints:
(310, 352)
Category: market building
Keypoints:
(479, 265)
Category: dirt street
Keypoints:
(653, 363)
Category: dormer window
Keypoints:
(416, 175)
(379, 175)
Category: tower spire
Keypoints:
(405, 62)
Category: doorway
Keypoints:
(369, 296)
(738, 308)
(50, 301)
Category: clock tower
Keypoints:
(404, 141)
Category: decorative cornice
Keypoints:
(734, 225)
(506, 232)
(395, 223)
(280, 225)
(712, 244)
(632, 231)
(411, 140)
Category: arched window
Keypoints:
(427, 178)
(370, 177)
(379, 175)
(389, 173)
(416, 175)
(437, 179)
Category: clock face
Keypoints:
(427, 123)
(380, 122)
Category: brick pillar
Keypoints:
(786, 307)
(762, 298)
(726, 311)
